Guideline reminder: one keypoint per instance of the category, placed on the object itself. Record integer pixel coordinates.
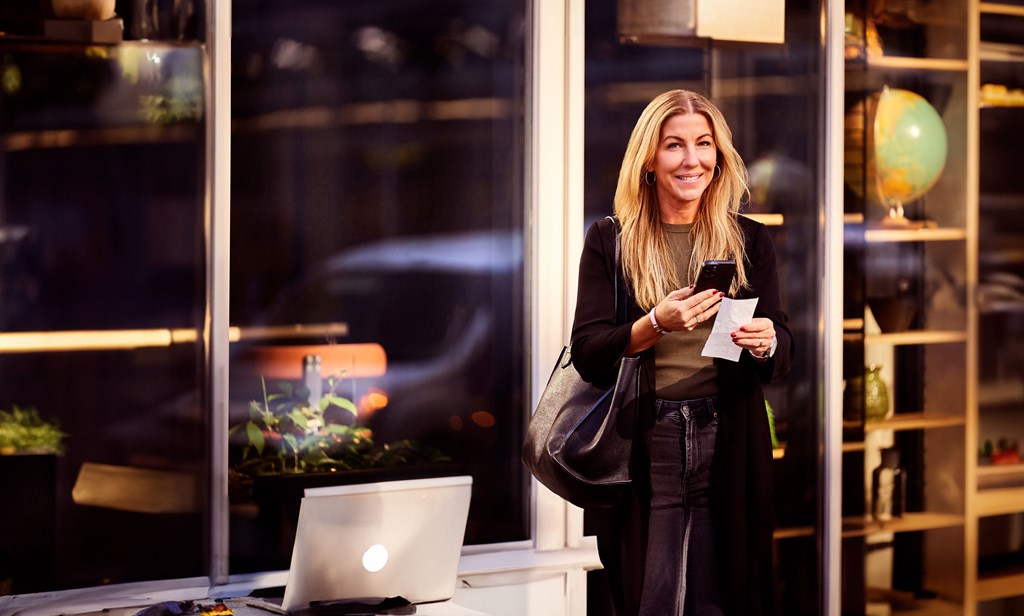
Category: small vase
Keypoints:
(876, 394)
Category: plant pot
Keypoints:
(28, 542)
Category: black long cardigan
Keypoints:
(743, 451)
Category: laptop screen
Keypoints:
(378, 540)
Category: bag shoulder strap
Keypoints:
(621, 298)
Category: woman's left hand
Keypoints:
(755, 336)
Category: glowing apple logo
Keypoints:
(375, 557)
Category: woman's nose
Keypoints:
(690, 155)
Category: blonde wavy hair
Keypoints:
(715, 233)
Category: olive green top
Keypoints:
(681, 372)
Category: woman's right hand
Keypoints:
(682, 310)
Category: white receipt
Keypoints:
(733, 314)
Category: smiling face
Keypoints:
(684, 166)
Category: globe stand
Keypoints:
(896, 219)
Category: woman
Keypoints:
(695, 535)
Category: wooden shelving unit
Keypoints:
(923, 366)
(998, 64)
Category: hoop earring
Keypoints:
(719, 173)
(649, 178)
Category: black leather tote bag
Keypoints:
(580, 438)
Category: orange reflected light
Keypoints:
(483, 419)
(285, 362)
(373, 401)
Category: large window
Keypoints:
(377, 257)
(103, 426)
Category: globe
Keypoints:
(895, 148)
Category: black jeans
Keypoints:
(681, 573)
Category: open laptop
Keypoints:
(368, 542)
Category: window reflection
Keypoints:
(377, 186)
(101, 295)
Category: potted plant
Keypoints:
(23, 431)
(29, 446)
(286, 434)
(288, 444)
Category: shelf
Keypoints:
(36, 44)
(1009, 202)
(916, 337)
(914, 235)
(927, 607)
(793, 532)
(1001, 307)
(853, 446)
(1000, 393)
(914, 421)
(903, 63)
(1000, 470)
(1010, 256)
(769, 220)
(1002, 585)
(778, 453)
(999, 476)
(997, 8)
(862, 526)
(108, 340)
(853, 324)
(999, 501)
(1000, 52)
(47, 139)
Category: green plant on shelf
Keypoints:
(285, 433)
(24, 431)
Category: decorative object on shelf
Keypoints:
(861, 37)
(23, 431)
(1005, 453)
(876, 394)
(998, 95)
(164, 20)
(89, 21)
(894, 312)
(895, 151)
(92, 10)
(888, 487)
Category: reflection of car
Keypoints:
(448, 312)
(444, 308)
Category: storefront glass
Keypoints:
(377, 258)
(103, 423)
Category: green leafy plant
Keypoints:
(22, 430)
(287, 434)
(771, 424)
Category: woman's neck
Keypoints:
(682, 215)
